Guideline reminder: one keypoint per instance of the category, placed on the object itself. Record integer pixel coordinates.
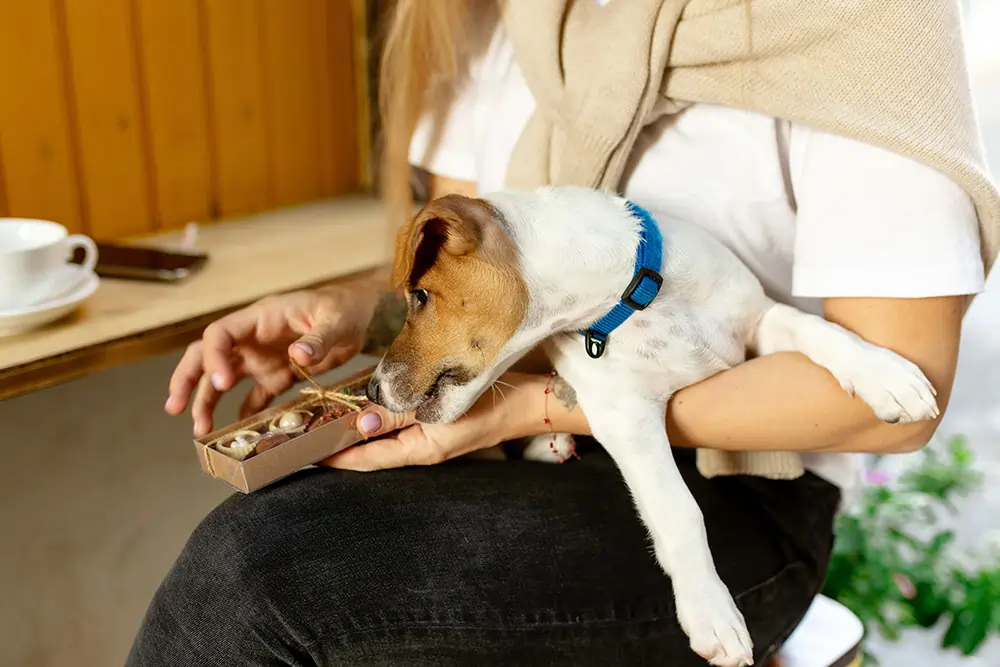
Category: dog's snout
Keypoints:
(373, 392)
(448, 375)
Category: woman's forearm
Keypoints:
(784, 402)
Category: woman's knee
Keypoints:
(245, 578)
(258, 544)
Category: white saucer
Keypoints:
(19, 320)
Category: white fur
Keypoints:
(577, 254)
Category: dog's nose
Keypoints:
(372, 391)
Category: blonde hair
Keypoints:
(426, 50)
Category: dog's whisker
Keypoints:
(507, 384)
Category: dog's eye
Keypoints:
(420, 296)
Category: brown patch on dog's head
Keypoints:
(466, 300)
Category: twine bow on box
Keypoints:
(326, 395)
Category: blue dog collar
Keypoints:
(645, 285)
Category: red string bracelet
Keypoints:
(548, 422)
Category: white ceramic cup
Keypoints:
(33, 261)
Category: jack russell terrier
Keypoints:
(629, 312)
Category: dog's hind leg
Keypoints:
(632, 430)
(895, 388)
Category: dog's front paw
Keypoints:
(550, 448)
(714, 625)
(895, 388)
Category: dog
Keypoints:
(489, 279)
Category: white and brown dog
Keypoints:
(490, 279)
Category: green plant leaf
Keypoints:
(954, 632)
(850, 537)
(975, 632)
(880, 545)
(939, 542)
(928, 605)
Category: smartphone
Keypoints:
(143, 263)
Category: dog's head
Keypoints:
(466, 300)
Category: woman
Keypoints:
(481, 563)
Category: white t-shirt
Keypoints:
(811, 214)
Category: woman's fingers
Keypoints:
(256, 400)
(411, 447)
(207, 361)
(240, 344)
(205, 399)
(184, 379)
(376, 420)
(218, 343)
(265, 390)
(400, 441)
(369, 456)
(320, 342)
(208, 365)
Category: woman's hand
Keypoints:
(398, 440)
(320, 329)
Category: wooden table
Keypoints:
(125, 321)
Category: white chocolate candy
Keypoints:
(241, 445)
(291, 422)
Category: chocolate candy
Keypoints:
(270, 440)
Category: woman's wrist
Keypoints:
(382, 308)
(536, 404)
(369, 284)
(387, 319)
(514, 397)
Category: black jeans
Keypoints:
(474, 563)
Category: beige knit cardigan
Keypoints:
(888, 72)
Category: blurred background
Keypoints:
(120, 118)
(974, 411)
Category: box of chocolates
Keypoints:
(281, 440)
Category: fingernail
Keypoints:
(218, 382)
(169, 405)
(370, 423)
(307, 348)
(198, 430)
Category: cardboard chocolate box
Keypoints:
(283, 439)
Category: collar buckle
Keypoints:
(639, 294)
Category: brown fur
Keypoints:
(455, 249)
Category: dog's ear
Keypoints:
(453, 224)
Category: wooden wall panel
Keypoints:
(3, 192)
(236, 94)
(294, 74)
(121, 116)
(346, 89)
(37, 156)
(110, 124)
(171, 56)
